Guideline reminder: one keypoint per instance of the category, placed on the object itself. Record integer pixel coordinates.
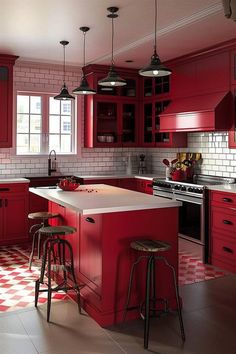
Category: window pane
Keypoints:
(22, 104)
(66, 124)
(66, 107)
(66, 143)
(22, 123)
(54, 106)
(54, 142)
(54, 124)
(35, 123)
(22, 143)
(35, 104)
(35, 143)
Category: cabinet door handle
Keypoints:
(149, 185)
(91, 220)
(0, 203)
(4, 189)
(227, 249)
(227, 200)
(227, 222)
(6, 202)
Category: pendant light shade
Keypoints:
(112, 79)
(83, 88)
(155, 68)
(64, 94)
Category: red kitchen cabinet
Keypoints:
(6, 99)
(144, 186)
(201, 74)
(112, 115)
(232, 132)
(110, 181)
(150, 129)
(128, 183)
(223, 230)
(155, 99)
(14, 209)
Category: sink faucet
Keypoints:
(52, 164)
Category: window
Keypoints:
(44, 124)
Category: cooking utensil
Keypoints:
(166, 162)
(173, 162)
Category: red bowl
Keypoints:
(68, 187)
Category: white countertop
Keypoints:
(101, 198)
(149, 176)
(223, 188)
(14, 180)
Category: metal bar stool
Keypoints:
(50, 247)
(42, 218)
(152, 247)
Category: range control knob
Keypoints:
(183, 188)
(177, 186)
(190, 189)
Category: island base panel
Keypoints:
(104, 260)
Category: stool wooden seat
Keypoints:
(153, 248)
(42, 217)
(66, 264)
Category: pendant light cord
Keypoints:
(112, 40)
(64, 65)
(155, 34)
(84, 47)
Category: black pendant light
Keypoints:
(112, 79)
(155, 68)
(84, 88)
(64, 94)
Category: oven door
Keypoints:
(191, 218)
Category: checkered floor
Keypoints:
(192, 270)
(17, 281)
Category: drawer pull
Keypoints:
(149, 185)
(227, 249)
(0, 203)
(227, 200)
(4, 189)
(6, 202)
(227, 222)
(91, 220)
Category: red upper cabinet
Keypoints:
(6, 99)
(155, 99)
(112, 115)
(203, 74)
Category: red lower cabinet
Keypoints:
(144, 186)
(223, 230)
(14, 208)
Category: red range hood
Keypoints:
(209, 112)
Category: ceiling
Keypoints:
(33, 29)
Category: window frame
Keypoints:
(44, 140)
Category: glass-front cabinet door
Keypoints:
(129, 131)
(151, 124)
(106, 123)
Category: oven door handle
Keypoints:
(181, 198)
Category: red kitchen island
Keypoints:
(107, 219)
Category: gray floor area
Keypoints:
(209, 314)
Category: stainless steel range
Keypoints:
(193, 214)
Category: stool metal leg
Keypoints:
(37, 285)
(32, 250)
(75, 285)
(176, 295)
(50, 253)
(150, 265)
(130, 285)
